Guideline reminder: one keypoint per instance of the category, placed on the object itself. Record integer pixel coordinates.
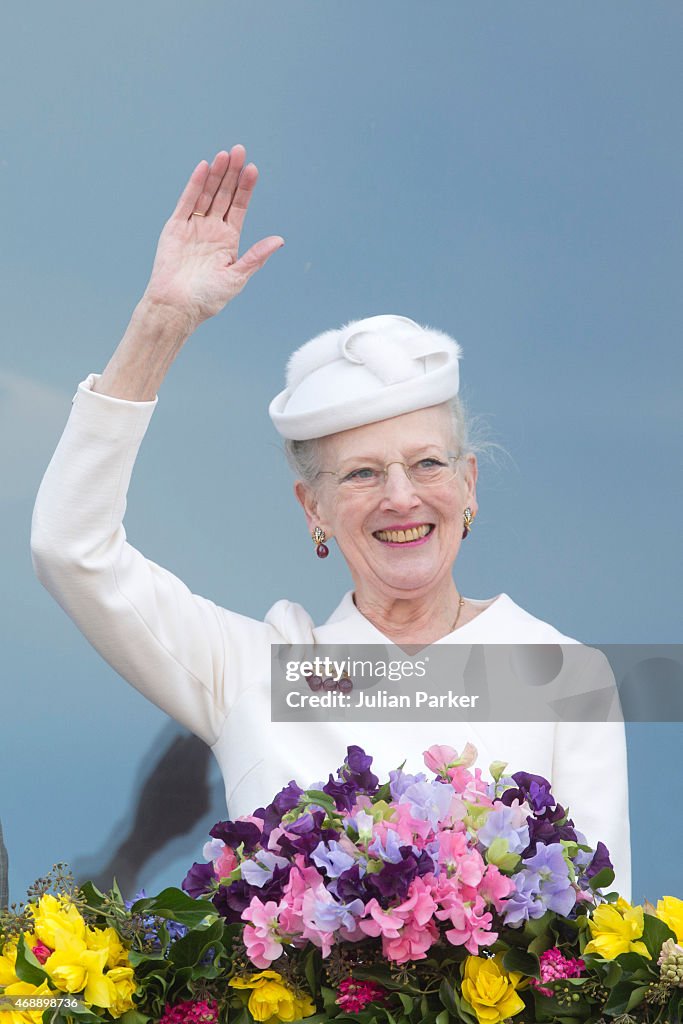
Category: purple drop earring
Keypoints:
(321, 550)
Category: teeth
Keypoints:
(403, 536)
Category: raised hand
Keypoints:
(197, 269)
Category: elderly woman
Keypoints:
(372, 422)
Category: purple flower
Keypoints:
(532, 788)
(259, 869)
(332, 858)
(555, 890)
(400, 780)
(601, 860)
(231, 900)
(543, 884)
(429, 801)
(235, 832)
(199, 880)
(499, 825)
(549, 828)
(391, 851)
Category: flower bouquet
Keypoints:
(420, 900)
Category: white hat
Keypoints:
(366, 371)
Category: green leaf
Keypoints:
(178, 906)
(316, 796)
(443, 1017)
(407, 1002)
(93, 897)
(618, 999)
(602, 879)
(134, 1017)
(188, 951)
(27, 967)
(523, 962)
(655, 934)
(447, 997)
(636, 997)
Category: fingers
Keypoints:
(237, 210)
(254, 258)
(192, 191)
(225, 186)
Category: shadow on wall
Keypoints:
(173, 796)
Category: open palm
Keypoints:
(197, 269)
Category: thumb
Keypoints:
(260, 252)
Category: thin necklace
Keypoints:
(461, 602)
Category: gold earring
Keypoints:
(467, 519)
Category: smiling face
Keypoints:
(400, 538)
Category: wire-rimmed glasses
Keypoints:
(428, 471)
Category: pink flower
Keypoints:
(353, 996)
(41, 952)
(381, 922)
(411, 944)
(439, 758)
(495, 887)
(555, 967)
(201, 1011)
(262, 937)
(471, 925)
(225, 863)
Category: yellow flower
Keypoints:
(23, 988)
(54, 918)
(490, 989)
(670, 911)
(124, 987)
(615, 929)
(271, 1000)
(75, 968)
(8, 960)
(108, 938)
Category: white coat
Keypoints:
(209, 668)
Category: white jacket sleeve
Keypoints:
(181, 651)
(591, 776)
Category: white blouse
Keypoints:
(209, 668)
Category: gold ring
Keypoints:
(196, 213)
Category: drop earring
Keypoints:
(467, 520)
(321, 550)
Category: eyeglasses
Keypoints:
(426, 472)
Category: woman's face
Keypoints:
(359, 518)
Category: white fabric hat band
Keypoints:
(368, 370)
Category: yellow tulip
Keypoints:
(670, 911)
(56, 918)
(124, 987)
(615, 930)
(271, 1000)
(491, 990)
(24, 988)
(75, 968)
(108, 939)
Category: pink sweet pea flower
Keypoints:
(225, 862)
(381, 922)
(471, 927)
(261, 936)
(440, 758)
(412, 944)
(495, 887)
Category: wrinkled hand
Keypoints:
(196, 269)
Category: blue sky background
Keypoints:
(509, 173)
